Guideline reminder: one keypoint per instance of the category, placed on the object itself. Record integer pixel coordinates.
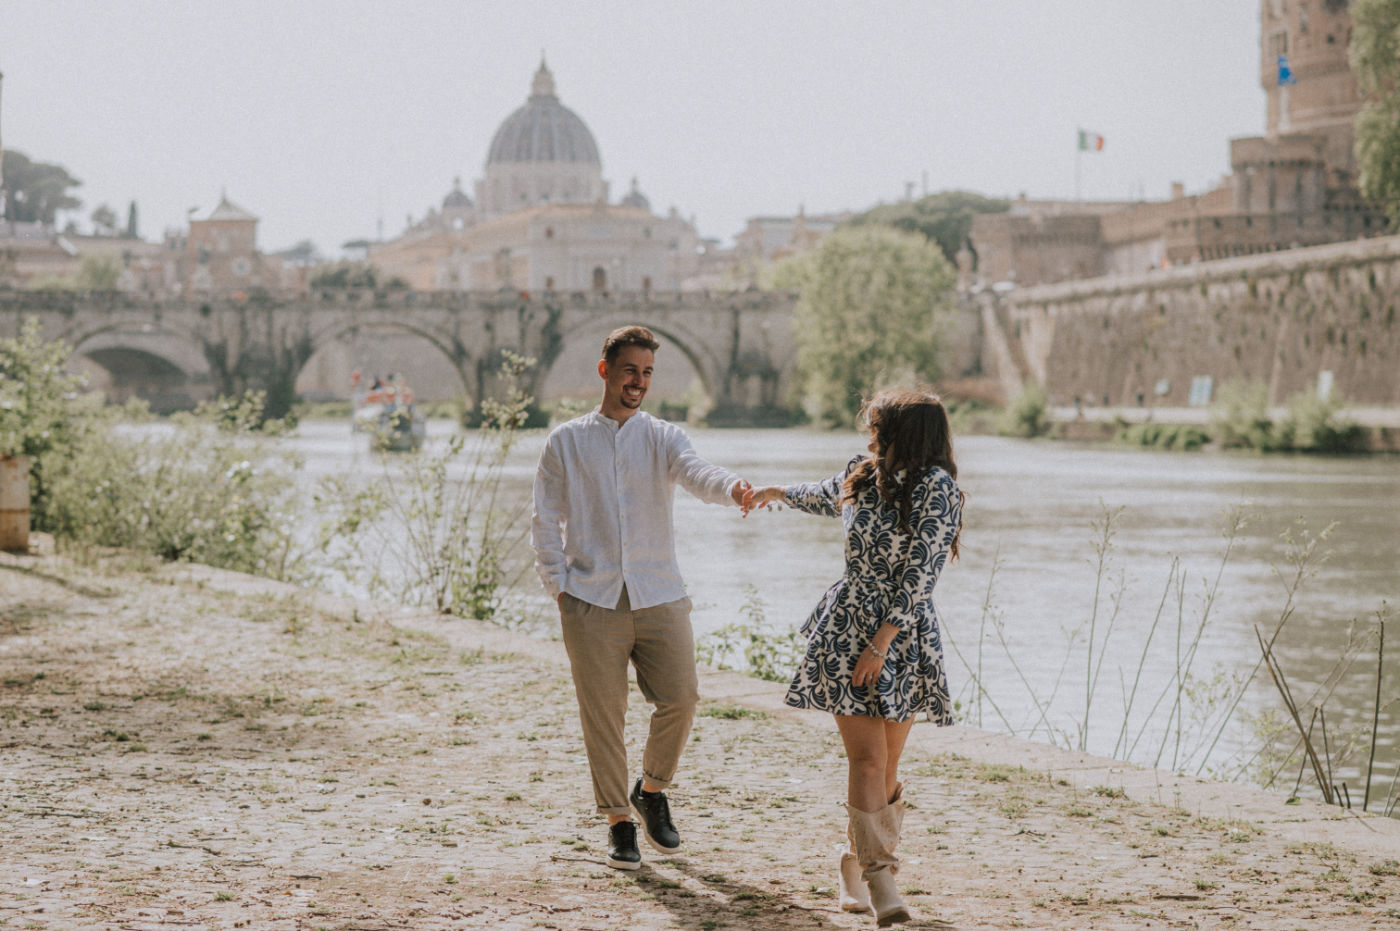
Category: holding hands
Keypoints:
(760, 497)
(740, 493)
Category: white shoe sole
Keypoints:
(624, 864)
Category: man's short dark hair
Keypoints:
(623, 337)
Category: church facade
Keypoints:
(541, 220)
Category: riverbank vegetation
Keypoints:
(1240, 419)
(437, 529)
(206, 486)
(1028, 414)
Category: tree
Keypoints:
(36, 191)
(872, 304)
(354, 275)
(104, 221)
(303, 253)
(131, 232)
(944, 218)
(98, 273)
(1375, 60)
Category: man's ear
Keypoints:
(603, 369)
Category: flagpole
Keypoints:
(1078, 154)
(4, 203)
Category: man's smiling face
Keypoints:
(626, 379)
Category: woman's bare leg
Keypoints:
(896, 733)
(873, 748)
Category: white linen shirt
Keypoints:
(602, 516)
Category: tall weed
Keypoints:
(753, 646)
(435, 528)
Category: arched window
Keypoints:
(549, 283)
(600, 279)
(646, 283)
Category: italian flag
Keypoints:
(1090, 142)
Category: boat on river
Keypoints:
(385, 410)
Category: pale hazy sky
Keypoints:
(321, 117)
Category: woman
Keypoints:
(874, 656)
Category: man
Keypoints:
(604, 548)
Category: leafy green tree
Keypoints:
(1375, 60)
(944, 218)
(36, 191)
(104, 220)
(872, 303)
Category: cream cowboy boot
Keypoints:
(854, 894)
(876, 837)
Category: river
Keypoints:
(1031, 512)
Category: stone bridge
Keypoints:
(740, 345)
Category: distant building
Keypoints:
(30, 251)
(541, 220)
(220, 256)
(1294, 186)
(217, 256)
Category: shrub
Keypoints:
(1240, 416)
(207, 487)
(1028, 415)
(42, 409)
(1313, 425)
(1163, 436)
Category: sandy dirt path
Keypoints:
(182, 748)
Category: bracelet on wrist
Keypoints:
(876, 650)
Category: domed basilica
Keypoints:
(542, 220)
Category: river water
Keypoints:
(1019, 606)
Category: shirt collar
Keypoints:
(598, 417)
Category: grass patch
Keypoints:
(728, 712)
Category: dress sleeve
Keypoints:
(935, 516)
(821, 498)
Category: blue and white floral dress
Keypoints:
(890, 575)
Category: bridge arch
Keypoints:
(581, 344)
(338, 348)
(155, 361)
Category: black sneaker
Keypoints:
(622, 847)
(655, 813)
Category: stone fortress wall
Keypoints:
(1283, 318)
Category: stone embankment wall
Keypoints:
(1284, 319)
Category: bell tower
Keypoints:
(1305, 74)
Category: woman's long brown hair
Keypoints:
(911, 434)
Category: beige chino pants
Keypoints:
(660, 644)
